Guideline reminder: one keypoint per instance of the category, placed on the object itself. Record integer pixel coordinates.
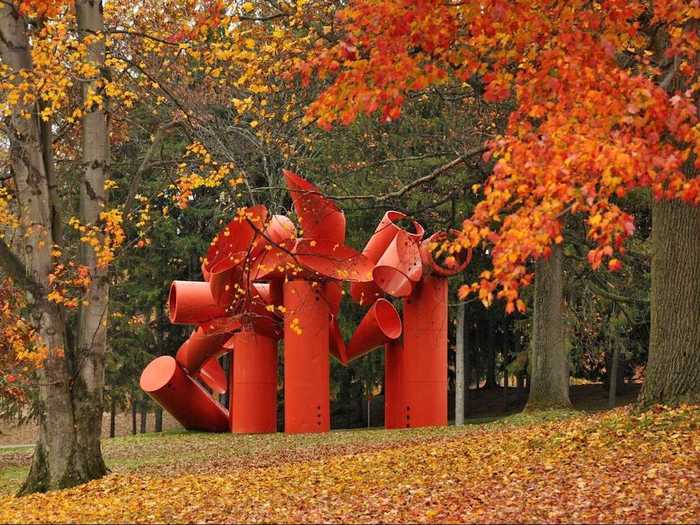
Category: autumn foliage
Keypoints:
(20, 351)
(603, 107)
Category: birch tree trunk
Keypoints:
(459, 367)
(92, 325)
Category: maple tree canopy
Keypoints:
(595, 116)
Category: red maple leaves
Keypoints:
(593, 119)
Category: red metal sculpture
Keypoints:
(265, 281)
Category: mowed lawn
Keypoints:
(615, 466)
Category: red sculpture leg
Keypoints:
(254, 384)
(306, 361)
(380, 325)
(394, 406)
(424, 359)
(169, 386)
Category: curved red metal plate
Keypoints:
(400, 266)
(237, 236)
(332, 260)
(452, 263)
(319, 217)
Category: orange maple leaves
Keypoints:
(42, 8)
(593, 119)
(19, 350)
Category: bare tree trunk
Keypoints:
(459, 367)
(615, 359)
(133, 414)
(505, 389)
(673, 369)
(144, 414)
(491, 355)
(549, 373)
(92, 323)
(159, 419)
(468, 371)
(113, 418)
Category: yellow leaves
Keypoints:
(105, 238)
(248, 7)
(295, 326)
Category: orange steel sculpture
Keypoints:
(264, 280)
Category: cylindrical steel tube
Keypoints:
(254, 384)
(306, 361)
(187, 401)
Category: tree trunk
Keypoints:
(92, 322)
(159, 419)
(133, 415)
(65, 453)
(673, 369)
(144, 415)
(491, 355)
(549, 373)
(615, 361)
(459, 367)
(113, 418)
(468, 371)
(505, 389)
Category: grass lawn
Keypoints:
(568, 466)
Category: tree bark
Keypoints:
(468, 370)
(491, 355)
(144, 415)
(92, 322)
(113, 418)
(133, 415)
(459, 367)
(63, 457)
(549, 373)
(159, 419)
(673, 369)
(615, 362)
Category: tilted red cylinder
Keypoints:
(420, 397)
(213, 375)
(320, 218)
(381, 324)
(366, 293)
(254, 384)
(199, 348)
(306, 360)
(168, 384)
(191, 302)
(400, 266)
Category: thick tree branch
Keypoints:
(146, 163)
(18, 271)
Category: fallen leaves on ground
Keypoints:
(612, 467)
